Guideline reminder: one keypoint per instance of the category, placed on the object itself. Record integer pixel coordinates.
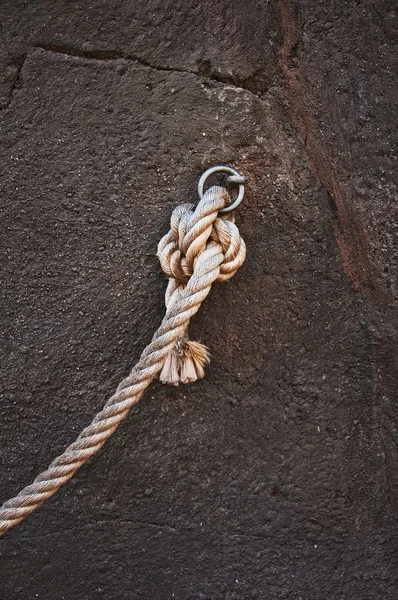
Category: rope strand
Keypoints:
(200, 248)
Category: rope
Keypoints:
(201, 247)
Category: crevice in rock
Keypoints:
(205, 70)
(19, 63)
(106, 55)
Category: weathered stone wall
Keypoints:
(276, 476)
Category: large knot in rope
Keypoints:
(202, 246)
(204, 241)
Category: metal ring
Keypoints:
(236, 178)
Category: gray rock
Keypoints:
(275, 476)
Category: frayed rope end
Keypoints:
(185, 363)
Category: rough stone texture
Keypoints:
(276, 476)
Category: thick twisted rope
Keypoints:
(199, 249)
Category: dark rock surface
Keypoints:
(276, 476)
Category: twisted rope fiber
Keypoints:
(200, 248)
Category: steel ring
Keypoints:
(236, 177)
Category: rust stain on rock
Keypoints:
(350, 235)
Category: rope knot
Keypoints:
(201, 247)
(204, 242)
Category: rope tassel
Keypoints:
(202, 246)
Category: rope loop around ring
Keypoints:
(235, 177)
